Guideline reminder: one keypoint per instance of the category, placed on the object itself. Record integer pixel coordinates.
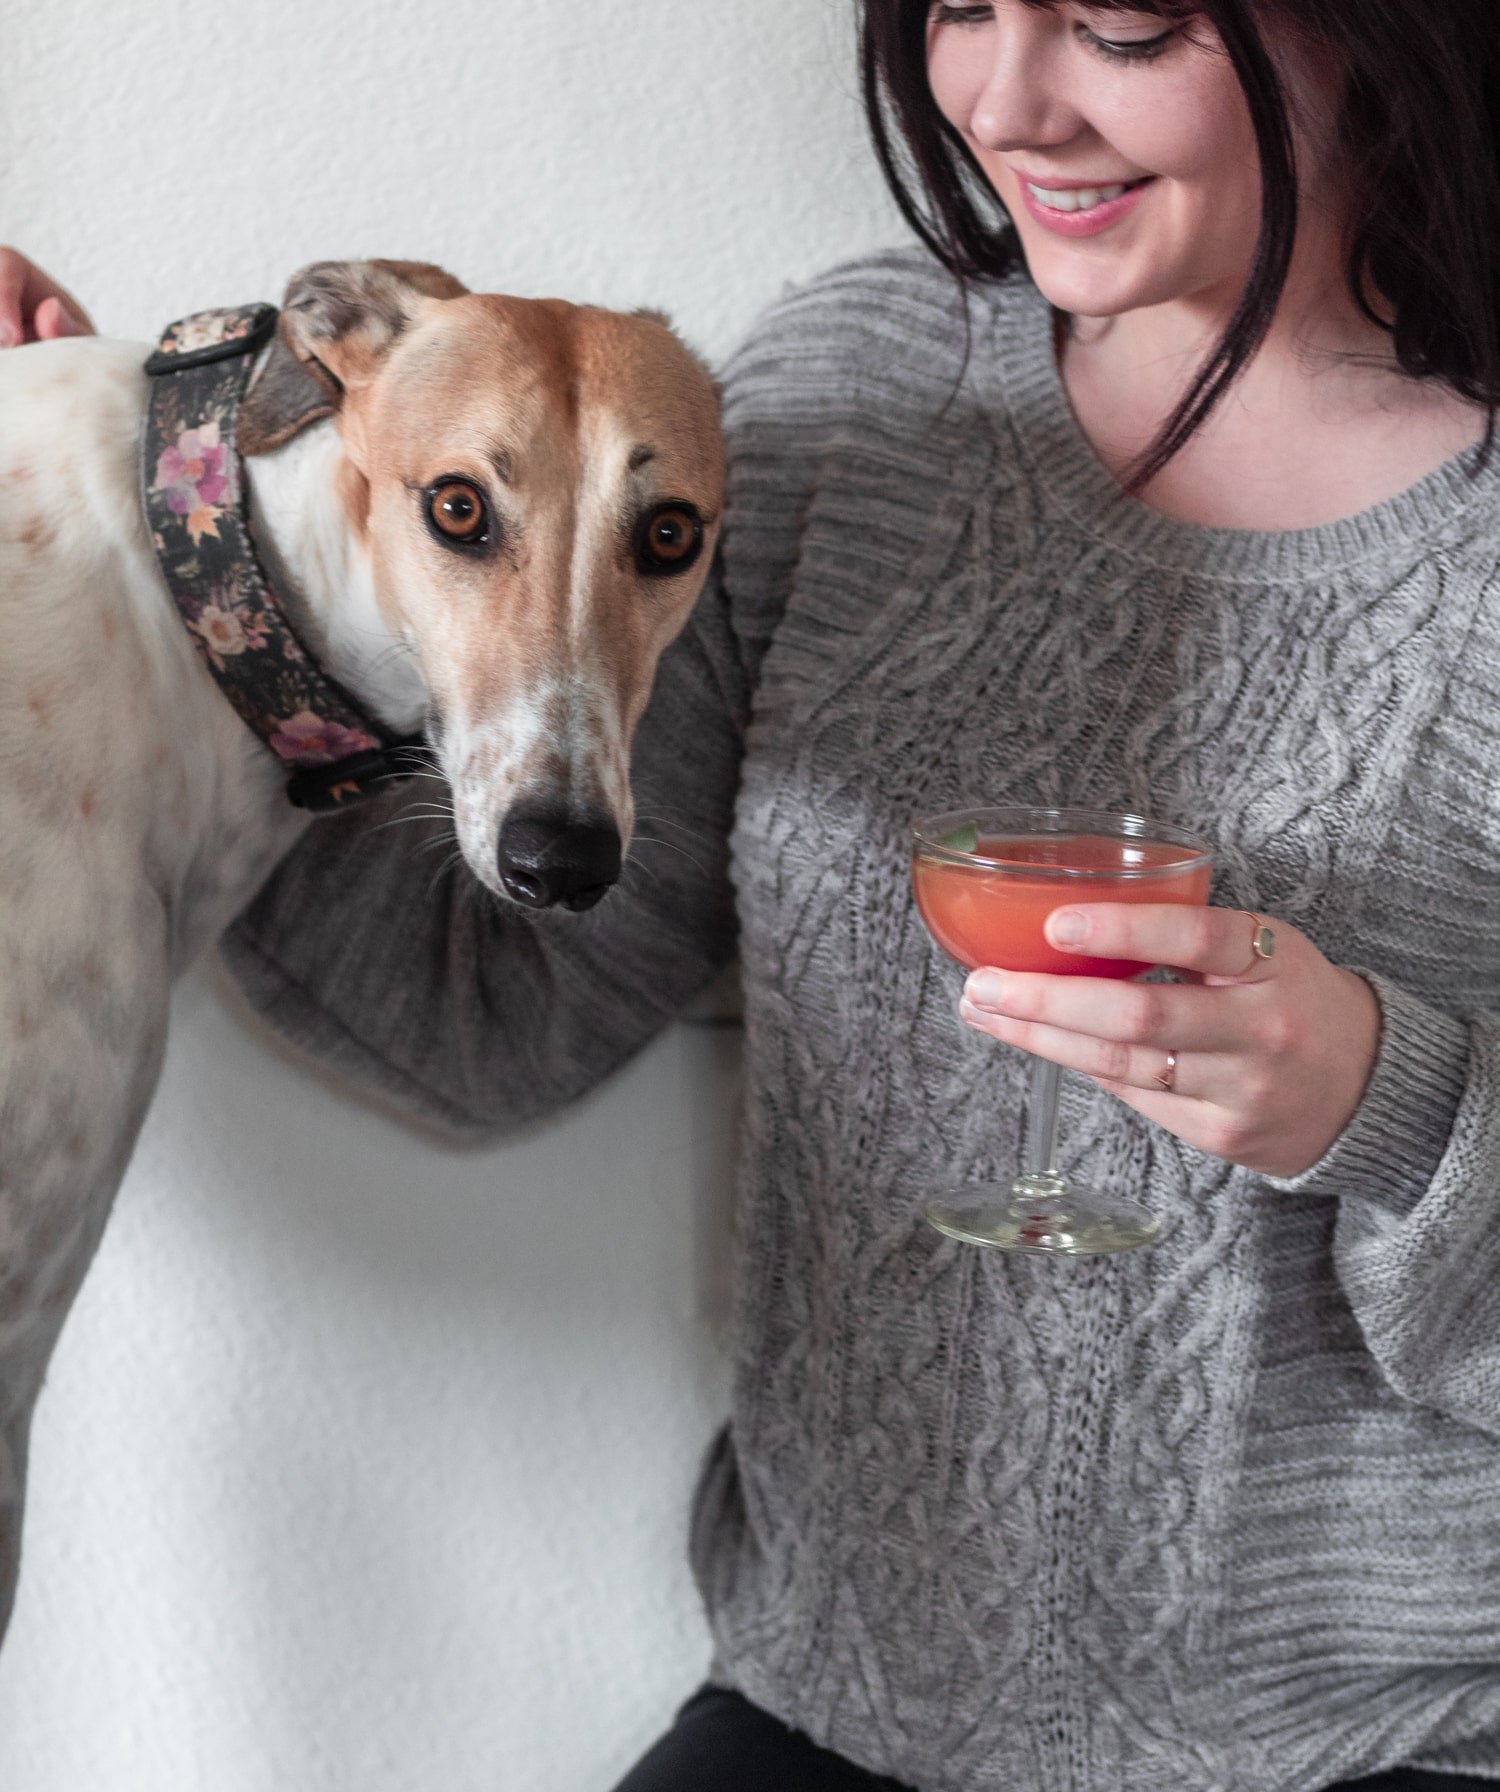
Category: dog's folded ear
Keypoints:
(338, 321)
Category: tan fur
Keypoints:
(528, 400)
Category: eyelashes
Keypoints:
(1110, 49)
(1134, 50)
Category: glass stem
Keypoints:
(1041, 1119)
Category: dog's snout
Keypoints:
(548, 859)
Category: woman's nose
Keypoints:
(1023, 103)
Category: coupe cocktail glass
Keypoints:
(985, 882)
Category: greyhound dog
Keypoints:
(487, 516)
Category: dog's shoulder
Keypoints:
(70, 425)
(68, 397)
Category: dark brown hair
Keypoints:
(1421, 130)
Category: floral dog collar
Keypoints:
(197, 507)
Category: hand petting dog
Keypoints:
(33, 307)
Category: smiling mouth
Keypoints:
(1082, 199)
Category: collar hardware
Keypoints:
(209, 336)
(324, 789)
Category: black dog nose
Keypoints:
(547, 859)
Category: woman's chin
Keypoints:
(1092, 285)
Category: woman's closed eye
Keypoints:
(1127, 34)
(941, 13)
(1110, 33)
(1127, 49)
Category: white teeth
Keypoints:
(1074, 199)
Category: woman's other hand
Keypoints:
(1270, 1056)
(33, 307)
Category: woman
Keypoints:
(1168, 502)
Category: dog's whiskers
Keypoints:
(420, 762)
(667, 821)
(669, 845)
(633, 864)
(425, 808)
(456, 858)
(425, 815)
(417, 775)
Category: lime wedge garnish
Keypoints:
(964, 839)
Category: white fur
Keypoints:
(303, 536)
(138, 814)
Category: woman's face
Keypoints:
(1121, 146)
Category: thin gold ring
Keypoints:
(1166, 1077)
(1262, 938)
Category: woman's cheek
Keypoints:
(954, 75)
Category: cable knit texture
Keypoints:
(1222, 1515)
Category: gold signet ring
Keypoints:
(1262, 940)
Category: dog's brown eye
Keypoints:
(669, 539)
(457, 511)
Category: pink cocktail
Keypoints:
(985, 882)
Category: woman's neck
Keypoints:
(1322, 424)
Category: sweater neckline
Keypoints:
(1077, 481)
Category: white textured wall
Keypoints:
(364, 1463)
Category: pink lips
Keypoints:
(1089, 223)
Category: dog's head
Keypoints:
(538, 486)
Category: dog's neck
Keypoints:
(322, 574)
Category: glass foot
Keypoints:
(1042, 1213)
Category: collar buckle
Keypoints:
(209, 336)
(325, 789)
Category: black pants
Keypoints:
(723, 1743)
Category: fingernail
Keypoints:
(1067, 928)
(7, 336)
(986, 989)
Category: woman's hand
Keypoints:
(33, 307)
(1272, 1055)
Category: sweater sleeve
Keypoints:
(1417, 1177)
(465, 1012)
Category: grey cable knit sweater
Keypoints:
(1217, 1516)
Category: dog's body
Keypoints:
(138, 813)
